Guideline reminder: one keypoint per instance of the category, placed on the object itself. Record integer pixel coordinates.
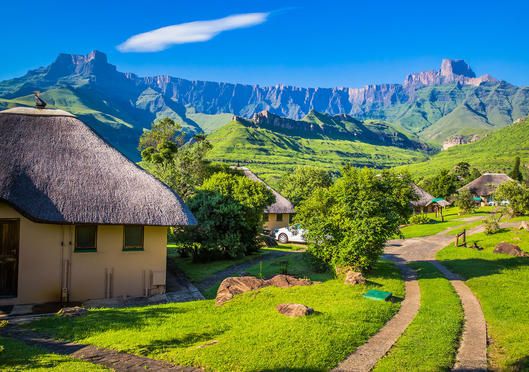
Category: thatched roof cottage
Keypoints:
(78, 220)
(280, 213)
(485, 185)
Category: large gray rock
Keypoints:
(510, 249)
(294, 310)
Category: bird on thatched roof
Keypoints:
(39, 102)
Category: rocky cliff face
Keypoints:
(246, 100)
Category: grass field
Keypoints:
(430, 342)
(494, 153)
(501, 284)
(271, 154)
(17, 356)
(247, 333)
(452, 219)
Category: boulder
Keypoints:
(235, 285)
(524, 225)
(510, 249)
(294, 310)
(354, 278)
(285, 281)
(69, 312)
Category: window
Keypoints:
(86, 238)
(279, 217)
(133, 238)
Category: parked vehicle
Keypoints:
(293, 234)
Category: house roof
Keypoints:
(424, 198)
(281, 204)
(486, 184)
(55, 169)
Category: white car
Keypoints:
(290, 234)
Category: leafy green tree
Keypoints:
(299, 185)
(516, 174)
(465, 201)
(462, 170)
(349, 222)
(516, 194)
(229, 209)
(181, 167)
(443, 184)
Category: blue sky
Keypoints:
(306, 43)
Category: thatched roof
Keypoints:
(424, 198)
(55, 169)
(486, 184)
(281, 205)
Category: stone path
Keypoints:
(105, 357)
(367, 355)
(472, 352)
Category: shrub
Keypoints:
(420, 219)
(516, 194)
(465, 202)
(229, 209)
(349, 223)
(492, 224)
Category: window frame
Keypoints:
(78, 249)
(133, 248)
(279, 217)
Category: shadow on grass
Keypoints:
(476, 267)
(175, 343)
(103, 320)
(521, 364)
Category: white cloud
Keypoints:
(191, 32)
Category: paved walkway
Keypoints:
(367, 355)
(472, 352)
(105, 357)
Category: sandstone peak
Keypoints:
(450, 67)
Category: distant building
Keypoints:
(484, 186)
(78, 220)
(280, 213)
(426, 202)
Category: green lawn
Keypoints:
(452, 220)
(430, 342)
(501, 283)
(245, 334)
(17, 356)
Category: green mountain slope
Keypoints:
(273, 154)
(494, 153)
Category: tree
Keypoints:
(516, 174)
(516, 194)
(465, 202)
(229, 209)
(349, 222)
(443, 184)
(299, 185)
(181, 166)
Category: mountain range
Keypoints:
(428, 107)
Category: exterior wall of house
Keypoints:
(272, 223)
(44, 263)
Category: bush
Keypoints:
(465, 202)
(349, 223)
(229, 209)
(492, 224)
(516, 194)
(420, 219)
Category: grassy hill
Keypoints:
(272, 154)
(495, 152)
